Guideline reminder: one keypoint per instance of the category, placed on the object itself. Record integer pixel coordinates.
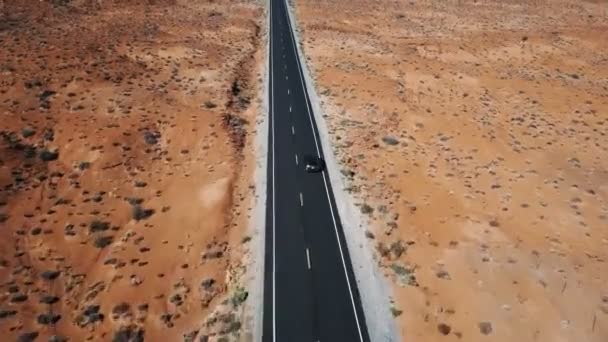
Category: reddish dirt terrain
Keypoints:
(126, 168)
(474, 135)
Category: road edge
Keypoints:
(254, 309)
(372, 286)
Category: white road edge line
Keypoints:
(308, 258)
(300, 72)
(274, 249)
(301, 200)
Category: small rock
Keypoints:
(390, 140)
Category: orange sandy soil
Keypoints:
(475, 137)
(125, 168)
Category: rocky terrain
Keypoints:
(125, 168)
(474, 137)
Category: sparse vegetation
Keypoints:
(47, 155)
(474, 134)
(140, 213)
(366, 209)
(485, 328)
(27, 132)
(390, 140)
(98, 226)
(103, 241)
(111, 131)
(239, 296)
(444, 329)
(48, 319)
(50, 275)
(129, 333)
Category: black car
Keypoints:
(314, 164)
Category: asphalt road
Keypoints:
(310, 292)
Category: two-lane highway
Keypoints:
(310, 292)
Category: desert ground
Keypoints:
(474, 137)
(126, 168)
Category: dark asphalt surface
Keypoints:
(310, 292)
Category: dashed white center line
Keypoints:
(296, 159)
(286, 77)
(288, 91)
(308, 258)
(293, 131)
(290, 109)
(301, 200)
